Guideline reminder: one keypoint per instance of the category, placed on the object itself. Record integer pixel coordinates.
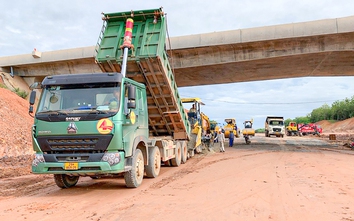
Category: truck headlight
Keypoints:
(111, 158)
(38, 158)
(34, 130)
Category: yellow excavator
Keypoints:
(200, 123)
(248, 131)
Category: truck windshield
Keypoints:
(275, 122)
(74, 99)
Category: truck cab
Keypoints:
(274, 126)
(79, 131)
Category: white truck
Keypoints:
(274, 126)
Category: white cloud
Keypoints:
(13, 30)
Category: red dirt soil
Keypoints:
(15, 126)
(271, 181)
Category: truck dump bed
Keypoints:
(148, 64)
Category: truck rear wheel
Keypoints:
(152, 170)
(65, 181)
(184, 152)
(178, 156)
(134, 177)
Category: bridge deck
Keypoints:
(315, 48)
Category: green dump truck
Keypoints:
(126, 121)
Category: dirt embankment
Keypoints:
(343, 131)
(15, 126)
(15, 129)
(345, 126)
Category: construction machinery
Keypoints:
(292, 129)
(274, 126)
(230, 127)
(309, 129)
(199, 122)
(248, 131)
(214, 126)
(76, 133)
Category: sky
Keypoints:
(55, 25)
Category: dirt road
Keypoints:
(271, 179)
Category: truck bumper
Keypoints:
(80, 168)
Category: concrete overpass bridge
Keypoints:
(315, 48)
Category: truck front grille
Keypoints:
(72, 144)
(82, 144)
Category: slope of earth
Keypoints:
(15, 125)
(345, 126)
(15, 130)
(343, 131)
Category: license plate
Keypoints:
(71, 166)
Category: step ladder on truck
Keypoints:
(78, 132)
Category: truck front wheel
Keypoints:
(134, 177)
(154, 162)
(65, 181)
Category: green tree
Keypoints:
(321, 113)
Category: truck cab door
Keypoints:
(134, 124)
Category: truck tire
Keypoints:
(190, 154)
(152, 170)
(191, 145)
(178, 156)
(167, 163)
(184, 152)
(134, 177)
(65, 181)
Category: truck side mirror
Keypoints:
(32, 101)
(35, 85)
(131, 97)
(32, 97)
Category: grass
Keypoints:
(19, 92)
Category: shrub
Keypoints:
(21, 93)
(3, 86)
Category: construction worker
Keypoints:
(192, 112)
(231, 139)
(221, 139)
(208, 137)
(114, 102)
(193, 109)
